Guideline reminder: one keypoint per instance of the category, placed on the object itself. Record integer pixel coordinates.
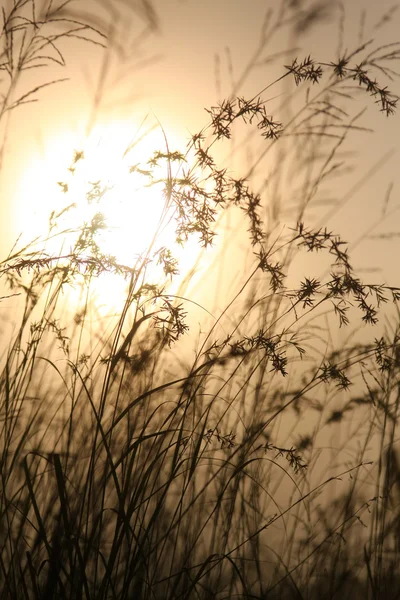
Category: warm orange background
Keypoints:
(170, 73)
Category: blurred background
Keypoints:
(148, 88)
(170, 60)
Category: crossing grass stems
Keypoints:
(128, 474)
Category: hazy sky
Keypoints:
(199, 53)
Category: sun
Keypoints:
(104, 182)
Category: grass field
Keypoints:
(212, 414)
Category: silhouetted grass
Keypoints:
(135, 467)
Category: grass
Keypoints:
(135, 465)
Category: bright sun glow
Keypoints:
(102, 174)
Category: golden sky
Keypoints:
(196, 54)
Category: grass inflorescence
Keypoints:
(135, 466)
